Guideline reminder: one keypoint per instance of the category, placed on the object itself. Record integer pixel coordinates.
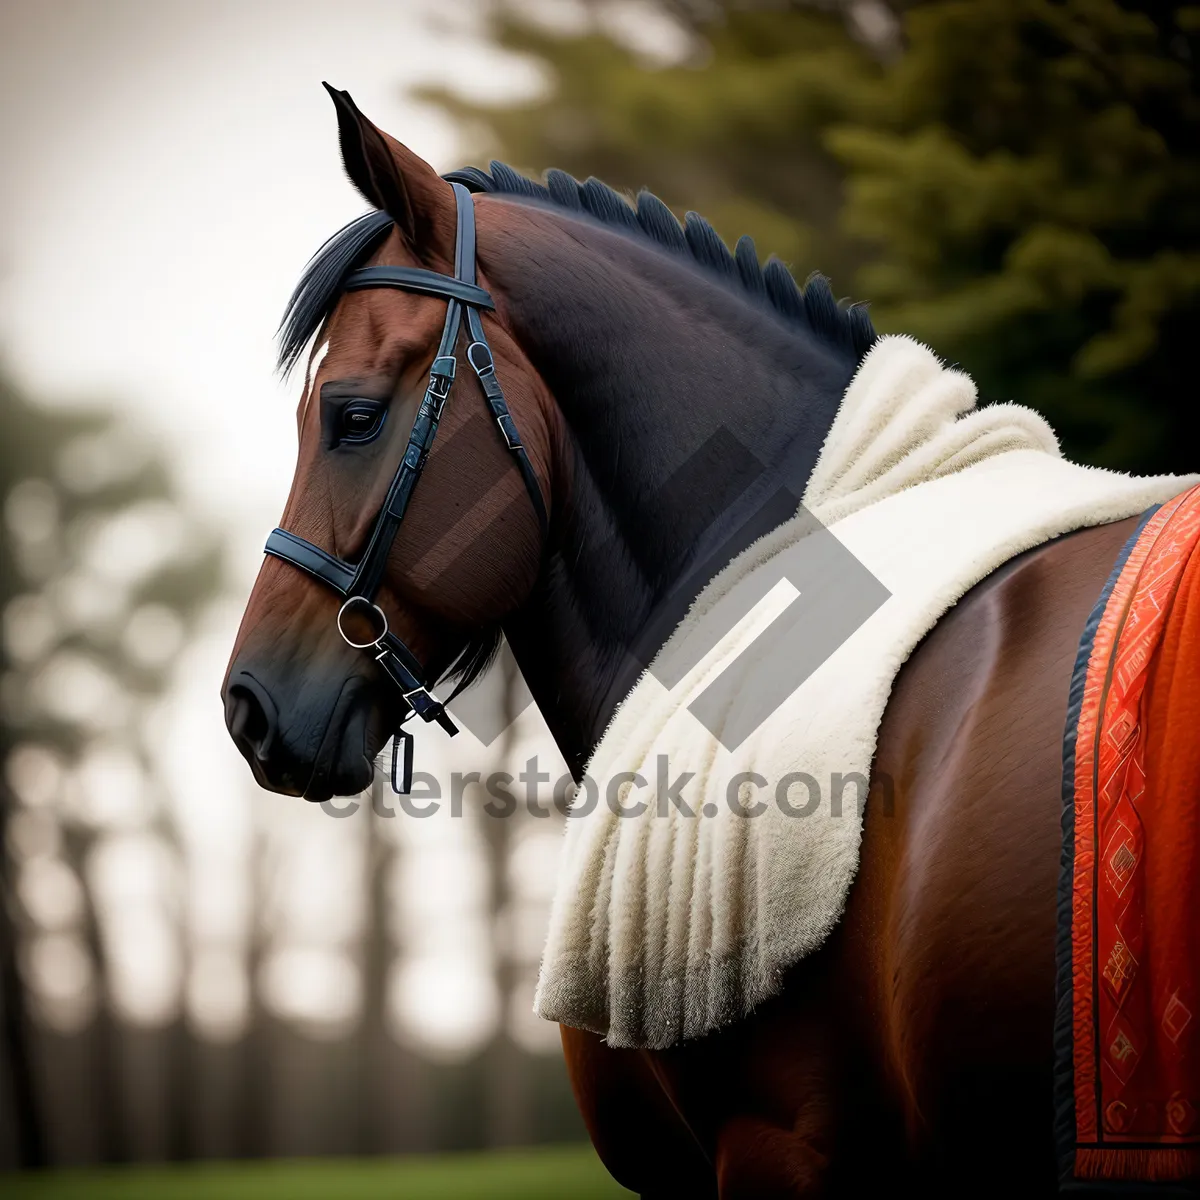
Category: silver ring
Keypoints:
(377, 614)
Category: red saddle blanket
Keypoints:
(1128, 1017)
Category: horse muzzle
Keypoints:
(313, 748)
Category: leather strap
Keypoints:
(364, 578)
(479, 355)
(312, 559)
(417, 279)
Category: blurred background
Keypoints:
(191, 968)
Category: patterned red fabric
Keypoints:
(1135, 899)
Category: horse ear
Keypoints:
(388, 174)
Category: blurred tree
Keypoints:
(732, 130)
(1029, 172)
(506, 1074)
(1015, 181)
(101, 572)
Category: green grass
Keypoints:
(550, 1173)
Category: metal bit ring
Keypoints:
(363, 607)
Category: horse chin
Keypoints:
(345, 780)
(345, 762)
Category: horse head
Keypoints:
(306, 708)
(662, 399)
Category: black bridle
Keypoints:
(359, 582)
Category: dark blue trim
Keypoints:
(1120, 1189)
(1064, 1056)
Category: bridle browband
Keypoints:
(359, 582)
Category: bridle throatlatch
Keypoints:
(359, 582)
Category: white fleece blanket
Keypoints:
(665, 925)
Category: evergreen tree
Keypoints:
(1017, 182)
(733, 131)
(1029, 173)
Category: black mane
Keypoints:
(812, 307)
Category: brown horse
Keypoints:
(672, 399)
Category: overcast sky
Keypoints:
(167, 169)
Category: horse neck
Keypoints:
(692, 417)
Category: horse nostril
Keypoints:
(250, 717)
(248, 722)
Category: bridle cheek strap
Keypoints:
(358, 583)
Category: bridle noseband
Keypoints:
(359, 582)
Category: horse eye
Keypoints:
(360, 421)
